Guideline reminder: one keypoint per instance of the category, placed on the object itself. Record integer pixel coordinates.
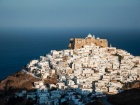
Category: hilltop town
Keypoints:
(88, 69)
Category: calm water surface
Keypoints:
(19, 46)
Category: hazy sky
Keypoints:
(123, 14)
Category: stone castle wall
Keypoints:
(76, 43)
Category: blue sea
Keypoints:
(19, 46)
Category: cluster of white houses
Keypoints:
(89, 70)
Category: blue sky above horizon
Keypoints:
(111, 14)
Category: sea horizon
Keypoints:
(18, 46)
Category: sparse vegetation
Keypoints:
(130, 85)
(51, 80)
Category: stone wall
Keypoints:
(76, 43)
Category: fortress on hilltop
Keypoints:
(76, 43)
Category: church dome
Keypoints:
(89, 35)
(98, 38)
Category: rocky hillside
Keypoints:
(17, 82)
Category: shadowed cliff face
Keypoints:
(128, 97)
